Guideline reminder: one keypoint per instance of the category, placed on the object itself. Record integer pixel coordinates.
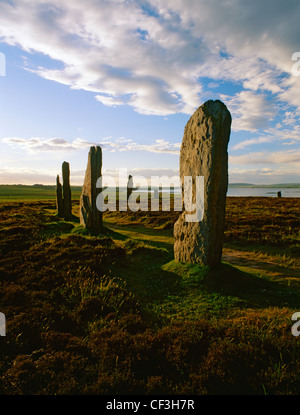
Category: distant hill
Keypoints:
(241, 185)
(282, 185)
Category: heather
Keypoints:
(114, 314)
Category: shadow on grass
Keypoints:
(148, 236)
(256, 290)
(72, 218)
(104, 232)
(56, 228)
(151, 273)
(214, 290)
(291, 248)
(113, 234)
(141, 228)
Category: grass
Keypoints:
(115, 314)
(36, 192)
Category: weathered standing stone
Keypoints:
(59, 198)
(129, 186)
(67, 190)
(204, 153)
(90, 216)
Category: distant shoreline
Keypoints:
(48, 192)
(266, 186)
(231, 185)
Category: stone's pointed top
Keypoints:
(213, 109)
(211, 116)
(58, 181)
(95, 149)
(211, 104)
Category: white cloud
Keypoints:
(286, 134)
(291, 93)
(266, 29)
(111, 48)
(32, 176)
(26, 176)
(145, 172)
(109, 101)
(39, 144)
(251, 142)
(250, 112)
(150, 55)
(158, 146)
(264, 175)
(291, 157)
(154, 56)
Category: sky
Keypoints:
(128, 74)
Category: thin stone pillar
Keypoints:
(90, 216)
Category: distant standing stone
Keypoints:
(90, 216)
(204, 153)
(67, 190)
(59, 198)
(129, 186)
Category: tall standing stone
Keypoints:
(129, 186)
(67, 190)
(90, 216)
(204, 153)
(59, 198)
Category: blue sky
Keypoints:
(128, 74)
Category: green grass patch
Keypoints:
(27, 193)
